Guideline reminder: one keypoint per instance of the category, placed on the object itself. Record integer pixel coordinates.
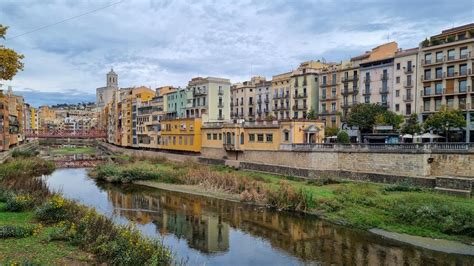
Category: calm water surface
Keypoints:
(208, 231)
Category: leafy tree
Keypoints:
(412, 125)
(312, 115)
(10, 61)
(425, 43)
(444, 120)
(269, 117)
(331, 131)
(343, 137)
(363, 115)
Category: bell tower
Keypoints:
(112, 79)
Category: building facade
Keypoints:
(446, 73)
(209, 99)
(405, 83)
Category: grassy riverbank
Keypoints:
(40, 227)
(399, 208)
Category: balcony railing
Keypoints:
(408, 98)
(367, 79)
(408, 70)
(199, 93)
(300, 95)
(408, 84)
(349, 78)
(383, 76)
(350, 91)
(383, 90)
(366, 92)
(220, 105)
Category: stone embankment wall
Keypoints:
(356, 164)
(145, 153)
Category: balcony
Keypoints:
(300, 107)
(230, 147)
(385, 104)
(432, 62)
(259, 112)
(383, 90)
(430, 93)
(349, 78)
(408, 70)
(408, 84)
(259, 101)
(220, 105)
(220, 92)
(452, 59)
(367, 79)
(324, 84)
(300, 95)
(199, 93)
(231, 104)
(408, 98)
(366, 92)
(348, 104)
(383, 76)
(266, 100)
(457, 91)
(348, 91)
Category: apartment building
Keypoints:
(295, 93)
(376, 70)
(209, 99)
(330, 96)
(263, 95)
(182, 134)
(350, 89)
(405, 83)
(4, 125)
(243, 99)
(281, 96)
(447, 73)
(176, 103)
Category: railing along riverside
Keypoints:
(454, 146)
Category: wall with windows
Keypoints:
(405, 85)
(181, 135)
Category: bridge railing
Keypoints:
(93, 133)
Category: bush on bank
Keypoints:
(117, 245)
(25, 167)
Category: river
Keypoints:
(208, 231)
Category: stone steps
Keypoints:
(458, 186)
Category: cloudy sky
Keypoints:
(164, 42)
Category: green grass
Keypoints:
(399, 208)
(74, 150)
(34, 249)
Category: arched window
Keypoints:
(242, 138)
(229, 138)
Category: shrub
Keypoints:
(287, 198)
(24, 153)
(53, 210)
(404, 186)
(18, 202)
(25, 167)
(343, 137)
(363, 194)
(14, 231)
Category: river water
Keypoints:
(207, 231)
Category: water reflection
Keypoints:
(215, 232)
(205, 222)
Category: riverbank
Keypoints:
(400, 208)
(41, 227)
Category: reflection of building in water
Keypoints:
(205, 222)
(204, 232)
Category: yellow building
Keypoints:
(261, 135)
(180, 135)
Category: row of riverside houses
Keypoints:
(16, 116)
(418, 80)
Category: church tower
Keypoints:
(112, 79)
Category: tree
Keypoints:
(10, 61)
(445, 120)
(363, 115)
(331, 131)
(343, 137)
(412, 125)
(312, 114)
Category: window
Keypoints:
(427, 74)
(260, 137)
(463, 52)
(242, 138)
(450, 71)
(214, 136)
(439, 72)
(428, 58)
(397, 79)
(209, 136)
(251, 137)
(269, 137)
(398, 66)
(397, 93)
(437, 104)
(408, 108)
(287, 136)
(427, 90)
(439, 57)
(426, 106)
(220, 136)
(397, 107)
(439, 88)
(451, 54)
(462, 86)
(463, 70)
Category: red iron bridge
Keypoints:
(79, 134)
